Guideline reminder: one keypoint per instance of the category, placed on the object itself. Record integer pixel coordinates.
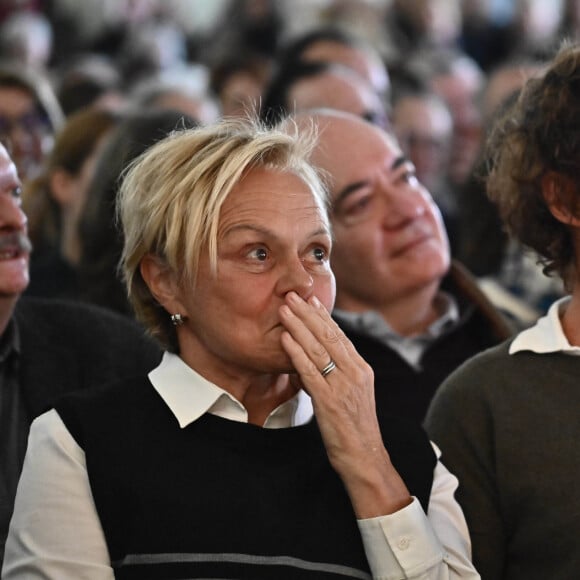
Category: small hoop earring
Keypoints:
(176, 319)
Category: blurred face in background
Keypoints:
(460, 89)
(366, 64)
(424, 128)
(341, 90)
(24, 130)
(438, 21)
(240, 94)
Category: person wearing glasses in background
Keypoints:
(30, 115)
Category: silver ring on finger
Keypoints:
(328, 368)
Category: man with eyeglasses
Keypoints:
(411, 313)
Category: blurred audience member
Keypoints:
(26, 37)
(423, 24)
(503, 82)
(570, 25)
(300, 86)
(54, 202)
(458, 80)
(484, 37)
(9, 7)
(109, 25)
(337, 46)
(535, 28)
(89, 80)
(239, 83)
(29, 117)
(184, 90)
(151, 49)
(246, 26)
(102, 241)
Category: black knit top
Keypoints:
(219, 498)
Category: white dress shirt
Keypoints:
(547, 334)
(56, 533)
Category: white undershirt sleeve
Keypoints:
(410, 544)
(54, 489)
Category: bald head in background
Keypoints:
(340, 89)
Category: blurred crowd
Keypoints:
(86, 87)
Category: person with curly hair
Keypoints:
(507, 420)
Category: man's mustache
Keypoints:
(15, 240)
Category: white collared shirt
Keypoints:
(189, 396)
(70, 544)
(547, 334)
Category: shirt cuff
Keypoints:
(402, 544)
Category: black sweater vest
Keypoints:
(403, 391)
(222, 499)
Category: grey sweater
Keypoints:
(509, 428)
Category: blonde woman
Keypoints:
(253, 450)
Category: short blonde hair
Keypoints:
(170, 200)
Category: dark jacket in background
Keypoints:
(67, 346)
(64, 346)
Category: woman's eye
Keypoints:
(319, 254)
(259, 254)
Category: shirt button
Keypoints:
(403, 543)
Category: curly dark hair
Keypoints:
(538, 135)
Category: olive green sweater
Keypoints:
(509, 428)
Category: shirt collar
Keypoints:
(410, 348)
(189, 395)
(372, 322)
(547, 334)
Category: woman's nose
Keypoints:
(297, 278)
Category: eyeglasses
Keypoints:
(425, 143)
(32, 122)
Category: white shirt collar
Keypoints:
(547, 334)
(188, 395)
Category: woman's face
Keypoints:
(273, 238)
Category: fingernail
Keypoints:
(293, 298)
(315, 302)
